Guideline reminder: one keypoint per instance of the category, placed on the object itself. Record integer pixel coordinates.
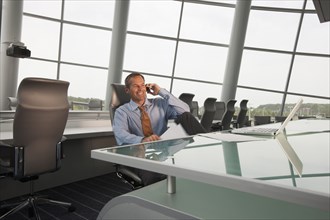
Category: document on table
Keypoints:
(173, 132)
(231, 137)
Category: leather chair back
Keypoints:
(208, 115)
(262, 119)
(228, 115)
(241, 117)
(195, 109)
(187, 98)
(220, 108)
(40, 119)
(118, 98)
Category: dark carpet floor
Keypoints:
(88, 196)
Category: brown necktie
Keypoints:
(146, 124)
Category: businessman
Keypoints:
(130, 129)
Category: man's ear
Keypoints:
(126, 89)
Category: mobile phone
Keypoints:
(148, 89)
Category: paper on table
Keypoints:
(231, 137)
(173, 132)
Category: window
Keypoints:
(264, 70)
(154, 17)
(80, 11)
(314, 36)
(86, 45)
(41, 37)
(206, 23)
(37, 68)
(203, 62)
(202, 91)
(44, 8)
(272, 30)
(151, 55)
(193, 60)
(85, 82)
(310, 75)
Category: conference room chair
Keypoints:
(305, 117)
(228, 115)
(262, 119)
(208, 114)
(241, 119)
(12, 103)
(187, 98)
(226, 120)
(220, 108)
(118, 98)
(95, 104)
(280, 118)
(195, 109)
(36, 149)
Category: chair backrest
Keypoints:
(39, 122)
(241, 117)
(195, 109)
(220, 108)
(118, 98)
(95, 104)
(228, 115)
(12, 103)
(261, 119)
(208, 115)
(187, 98)
(280, 118)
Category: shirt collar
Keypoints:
(134, 106)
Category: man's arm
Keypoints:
(121, 130)
(176, 106)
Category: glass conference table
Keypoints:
(294, 166)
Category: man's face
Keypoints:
(137, 89)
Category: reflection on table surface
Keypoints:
(266, 159)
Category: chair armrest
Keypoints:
(60, 150)
(63, 138)
(3, 144)
(6, 155)
(129, 173)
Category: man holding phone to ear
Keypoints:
(127, 125)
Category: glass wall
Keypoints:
(182, 46)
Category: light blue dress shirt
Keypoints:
(127, 120)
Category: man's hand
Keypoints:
(154, 88)
(153, 137)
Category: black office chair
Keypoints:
(228, 115)
(261, 119)
(280, 118)
(195, 109)
(226, 120)
(95, 104)
(241, 119)
(220, 108)
(38, 126)
(187, 98)
(118, 98)
(208, 114)
(12, 103)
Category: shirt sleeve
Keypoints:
(175, 106)
(121, 128)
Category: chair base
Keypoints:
(32, 201)
(129, 181)
(129, 176)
